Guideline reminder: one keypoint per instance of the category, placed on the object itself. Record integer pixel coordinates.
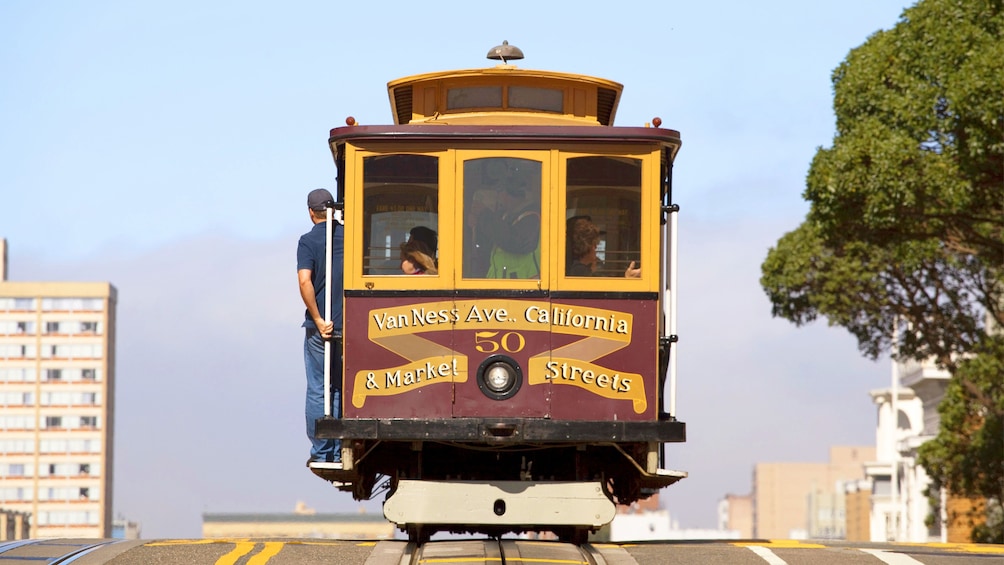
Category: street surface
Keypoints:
(488, 552)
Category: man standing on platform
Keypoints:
(310, 270)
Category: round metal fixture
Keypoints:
(499, 377)
(505, 52)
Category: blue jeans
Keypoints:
(313, 359)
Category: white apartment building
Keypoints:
(907, 417)
(57, 363)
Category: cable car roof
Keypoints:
(504, 94)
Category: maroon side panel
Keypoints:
(581, 359)
(628, 375)
(379, 381)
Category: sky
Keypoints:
(167, 148)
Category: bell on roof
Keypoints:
(505, 52)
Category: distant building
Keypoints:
(302, 523)
(735, 513)
(14, 525)
(640, 526)
(125, 529)
(646, 521)
(895, 485)
(857, 503)
(784, 494)
(57, 389)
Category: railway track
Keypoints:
(53, 551)
(498, 552)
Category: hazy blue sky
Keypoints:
(167, 147)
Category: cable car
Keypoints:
(522, 380)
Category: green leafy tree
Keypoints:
(972, 436)
(906, 223)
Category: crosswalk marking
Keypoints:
(767, 555)
(892, 558)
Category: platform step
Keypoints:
(326, 465)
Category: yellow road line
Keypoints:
(240, 550)
(959, 547)
(270, 550)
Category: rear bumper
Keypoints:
(499, 503)
(501, 430)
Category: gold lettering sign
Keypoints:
(499, 314)
(603, 332)
(592, 378)
(410, 376)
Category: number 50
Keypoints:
(510, 342)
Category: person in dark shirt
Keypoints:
(310, 270)
(513, 231)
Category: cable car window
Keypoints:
(400, 194)
(545, 99)
(502, 218)
(603, 216)
(474, 97)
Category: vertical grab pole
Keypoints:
(667, 300)
(673, 219)
(327, 310)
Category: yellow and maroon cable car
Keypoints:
(519, 381)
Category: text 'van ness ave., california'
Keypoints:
(441, 316)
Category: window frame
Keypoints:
(354, 202)
(545, 157)
(554, 163)
(649, 280)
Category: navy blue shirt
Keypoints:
(310, 255)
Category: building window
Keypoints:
(73, 351)
(17, 375)
(89, 327)
(24, 304)
(89, 374)
(17, 446)
(85, 468)
(89, 422)
(72, 304)
(52, 327)
(16, 351)
(882, 485)
(9, 423)
(15, 470)
(53, 422)
(85, 493)
(53, 374)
